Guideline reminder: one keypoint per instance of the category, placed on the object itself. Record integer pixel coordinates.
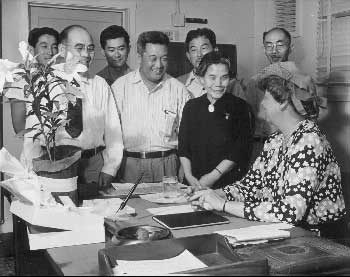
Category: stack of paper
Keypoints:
(44, 238)
(108, 208)
(257, 234)
(60, 226)
(184, 261)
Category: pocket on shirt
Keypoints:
(169, 122)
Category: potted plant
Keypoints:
(48, 90)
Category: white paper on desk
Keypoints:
(255, 233)
(142, 188)
(87, 235)
(185, 261)
(180, 209)
(108, 207)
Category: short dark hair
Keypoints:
(36, 33)
(154, 37)
(200, 32)
(65, 32)
(214, 57)
(112, 32)
(286, 33)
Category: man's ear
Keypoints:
(62, 49)
(139, 58)
(103, 52)
(31, 50)
(188, 56)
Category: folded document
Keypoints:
(257, 233)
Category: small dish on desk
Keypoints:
(140, 234)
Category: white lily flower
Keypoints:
(7, 71)
(70, 69)
(24, 50)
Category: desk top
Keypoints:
(83, 259)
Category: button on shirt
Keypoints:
(195, 87)
(101, 125)
(149, 119)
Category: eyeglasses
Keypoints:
(279, 46)
(80, 47)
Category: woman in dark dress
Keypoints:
(215, 131)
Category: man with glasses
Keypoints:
(115, 43)
(150, 104)
(277, 45)
(101, 138)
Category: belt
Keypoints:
(89, 153)
(149, 155)
(259, 139)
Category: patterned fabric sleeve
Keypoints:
(290, 183)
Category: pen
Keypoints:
(123, 204)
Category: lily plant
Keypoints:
(45, 88)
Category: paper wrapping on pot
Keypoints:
(27, 186)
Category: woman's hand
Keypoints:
(194, 182)
(209, 179)
(207, 199)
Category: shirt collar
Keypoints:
(191, 77)
(87, 79)
(137, 78)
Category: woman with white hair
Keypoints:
(296, 178)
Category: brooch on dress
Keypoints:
(227, 116)
(211, 108)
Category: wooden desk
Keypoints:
(82, 259)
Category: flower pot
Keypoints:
(65, 167)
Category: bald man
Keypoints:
(101, 137)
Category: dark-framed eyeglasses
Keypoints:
(279, 45)
(79, 47)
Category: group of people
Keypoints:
(202, 126)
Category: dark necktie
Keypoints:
(75, 114)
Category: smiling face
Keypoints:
(116, 52)
(197, 48)
(277, 46)
(79, 43)
(215, 81)
(45, 48)
(154, 62)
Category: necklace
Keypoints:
(211, 108)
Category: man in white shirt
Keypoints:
(150, 104)
(101, 138)
(43, 45)
(198, 43)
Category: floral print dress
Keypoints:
(285, 178)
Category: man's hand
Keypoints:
(105, 180)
